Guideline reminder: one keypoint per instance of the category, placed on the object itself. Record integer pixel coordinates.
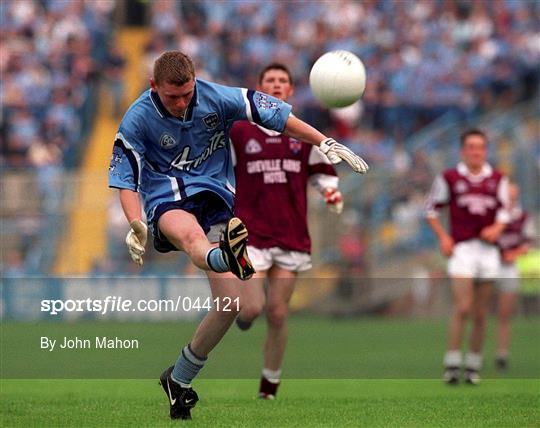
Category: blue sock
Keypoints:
(216, 261)
(187, 367)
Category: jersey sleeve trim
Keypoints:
(132, 156)
(438, 197)
(321, 182)
(256, 118)
(248, 104)
(503, 213)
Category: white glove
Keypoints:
(334, 200)
(336, 152)
(136, 240)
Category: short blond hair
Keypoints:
(173, 67)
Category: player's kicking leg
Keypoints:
(280, 289)
(183, 230)
(480, 308)
(462, 292)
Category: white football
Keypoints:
(338, 79)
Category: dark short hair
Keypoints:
(173, 67)
(470, 132)
(275, 66)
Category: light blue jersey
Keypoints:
(167, 159)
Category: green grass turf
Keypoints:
(318, 348)
(363, 372)
(396, 403)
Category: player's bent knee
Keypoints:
(191, 238)
(277, 315)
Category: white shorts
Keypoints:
(474, 259)
(214, 233)
(263, 259)
(508, 281)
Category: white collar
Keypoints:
(463, 170)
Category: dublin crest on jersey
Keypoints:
(211, 121)
(167, 141)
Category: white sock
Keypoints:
(452, 359)
(272, 376)
(473, 361)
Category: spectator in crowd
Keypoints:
(114, 73)
(48, 65)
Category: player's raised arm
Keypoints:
(272, 113)
(335, 151)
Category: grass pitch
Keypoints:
(366, 372)
(301, 402)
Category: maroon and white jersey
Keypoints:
(474, 201)
(519, 230)
(272, 173)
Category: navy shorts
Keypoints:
(207, 207)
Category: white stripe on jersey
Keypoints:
(230, 187)
(175, 188)
(439, 194)
(121, 137)
(248, 105)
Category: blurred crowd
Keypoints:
(52, 55)
(52, 52)
(424, 58)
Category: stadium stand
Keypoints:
(52, 52)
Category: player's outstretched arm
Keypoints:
(333, 150)
(137, 236)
